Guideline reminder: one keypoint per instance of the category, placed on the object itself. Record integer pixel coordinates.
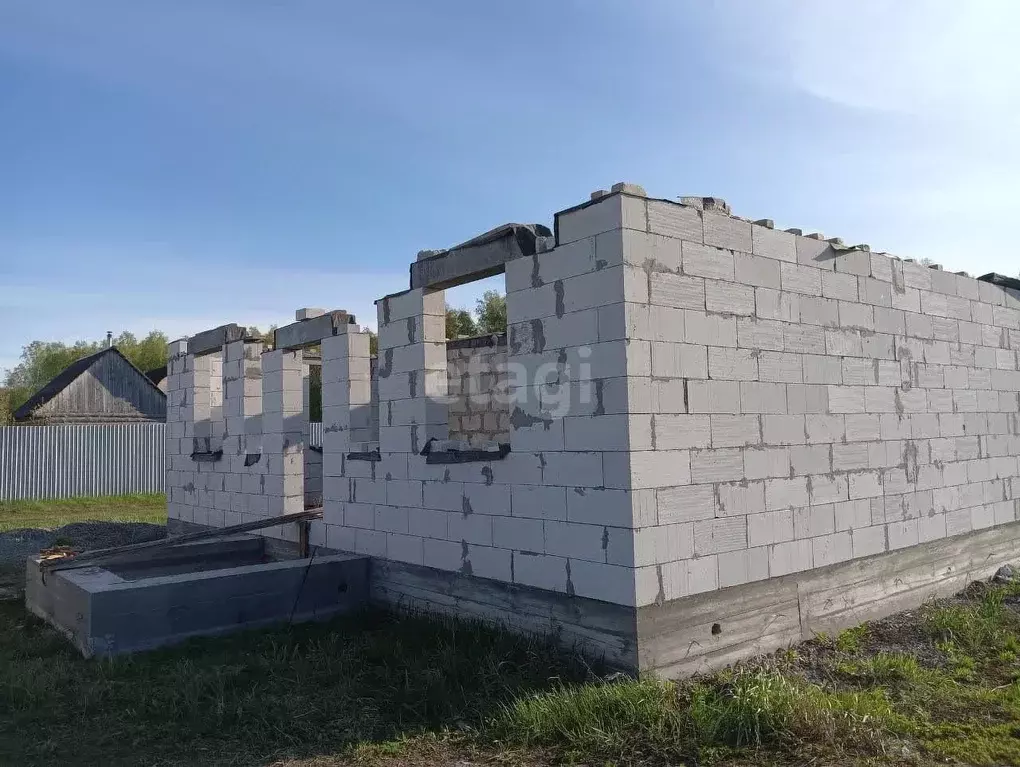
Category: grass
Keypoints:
(51, 513)
(938, 685)
(375, 689)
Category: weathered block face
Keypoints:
(694, 404)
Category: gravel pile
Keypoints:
(16, 545)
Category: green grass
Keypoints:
(375, 689)
(52, 513)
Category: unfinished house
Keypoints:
(704, 437)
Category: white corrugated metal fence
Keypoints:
(87, 459)
(81, 460)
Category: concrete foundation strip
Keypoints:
(93, 558)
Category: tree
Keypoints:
(460, 323)
(491, 311)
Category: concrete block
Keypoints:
(754, 333)
(806, 398)
(647, 469)
(850, 456)
(574, 540)
(725, 363)
(865, 484)
(519, 534)
(820, 369)
(843, 342)
(804, 339)
(853, 315)
(740, 498)
(735, 430)
(777, 305)
(839, 285)
(786, 493)
(801, 279)
(824, 428)
(790, 557)
(541, 571)
(833, 548)
(607, 432)
(717, 465)
(691, 576)
(784, 429)
(902, 534)
(710, 329)
(867, 541)
(707, 261)
(854, 262)
(571, 469)
(679, 432)
(761, 463)
(714, 536)
(818, 253)
(755, 270)
(780, 367)
(429, 523)
(686, 504)
(596, 580)
(539, 502)
(737, 567)
(773, 243)
(846, 399)
(763, 398)
(678, 291)
(819, 311)
(471, 528)
(405, 548)
(661, 544)
(618, 508)
(713, 397)
(770, 527)
(873, 291)
(679, 360)
(726, 232)
(810, 459)
(729, 297)
(614, 211)
(674, 220)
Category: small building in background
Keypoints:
(101, 388)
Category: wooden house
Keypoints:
(101, 388)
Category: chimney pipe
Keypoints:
(109, 338)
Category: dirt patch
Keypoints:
(17, 545)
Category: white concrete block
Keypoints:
(740, 498)
(686, 504)
(539, 502)
(729, 297)
(714, 536)
(790, 557)
(713, 397)
(725, 363)
(679, 432)
(786, 493)
(770, 527)
(735, 430)
(737, 567)
(724, 465)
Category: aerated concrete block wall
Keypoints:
(817, 403)
(702, 411)
(478, 407)
(248, 463)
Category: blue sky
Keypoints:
(184, 163)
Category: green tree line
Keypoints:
(41, 361)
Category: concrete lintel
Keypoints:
(310, 332)
(480, 257)
(211, 341)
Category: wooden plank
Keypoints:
(90, 558)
